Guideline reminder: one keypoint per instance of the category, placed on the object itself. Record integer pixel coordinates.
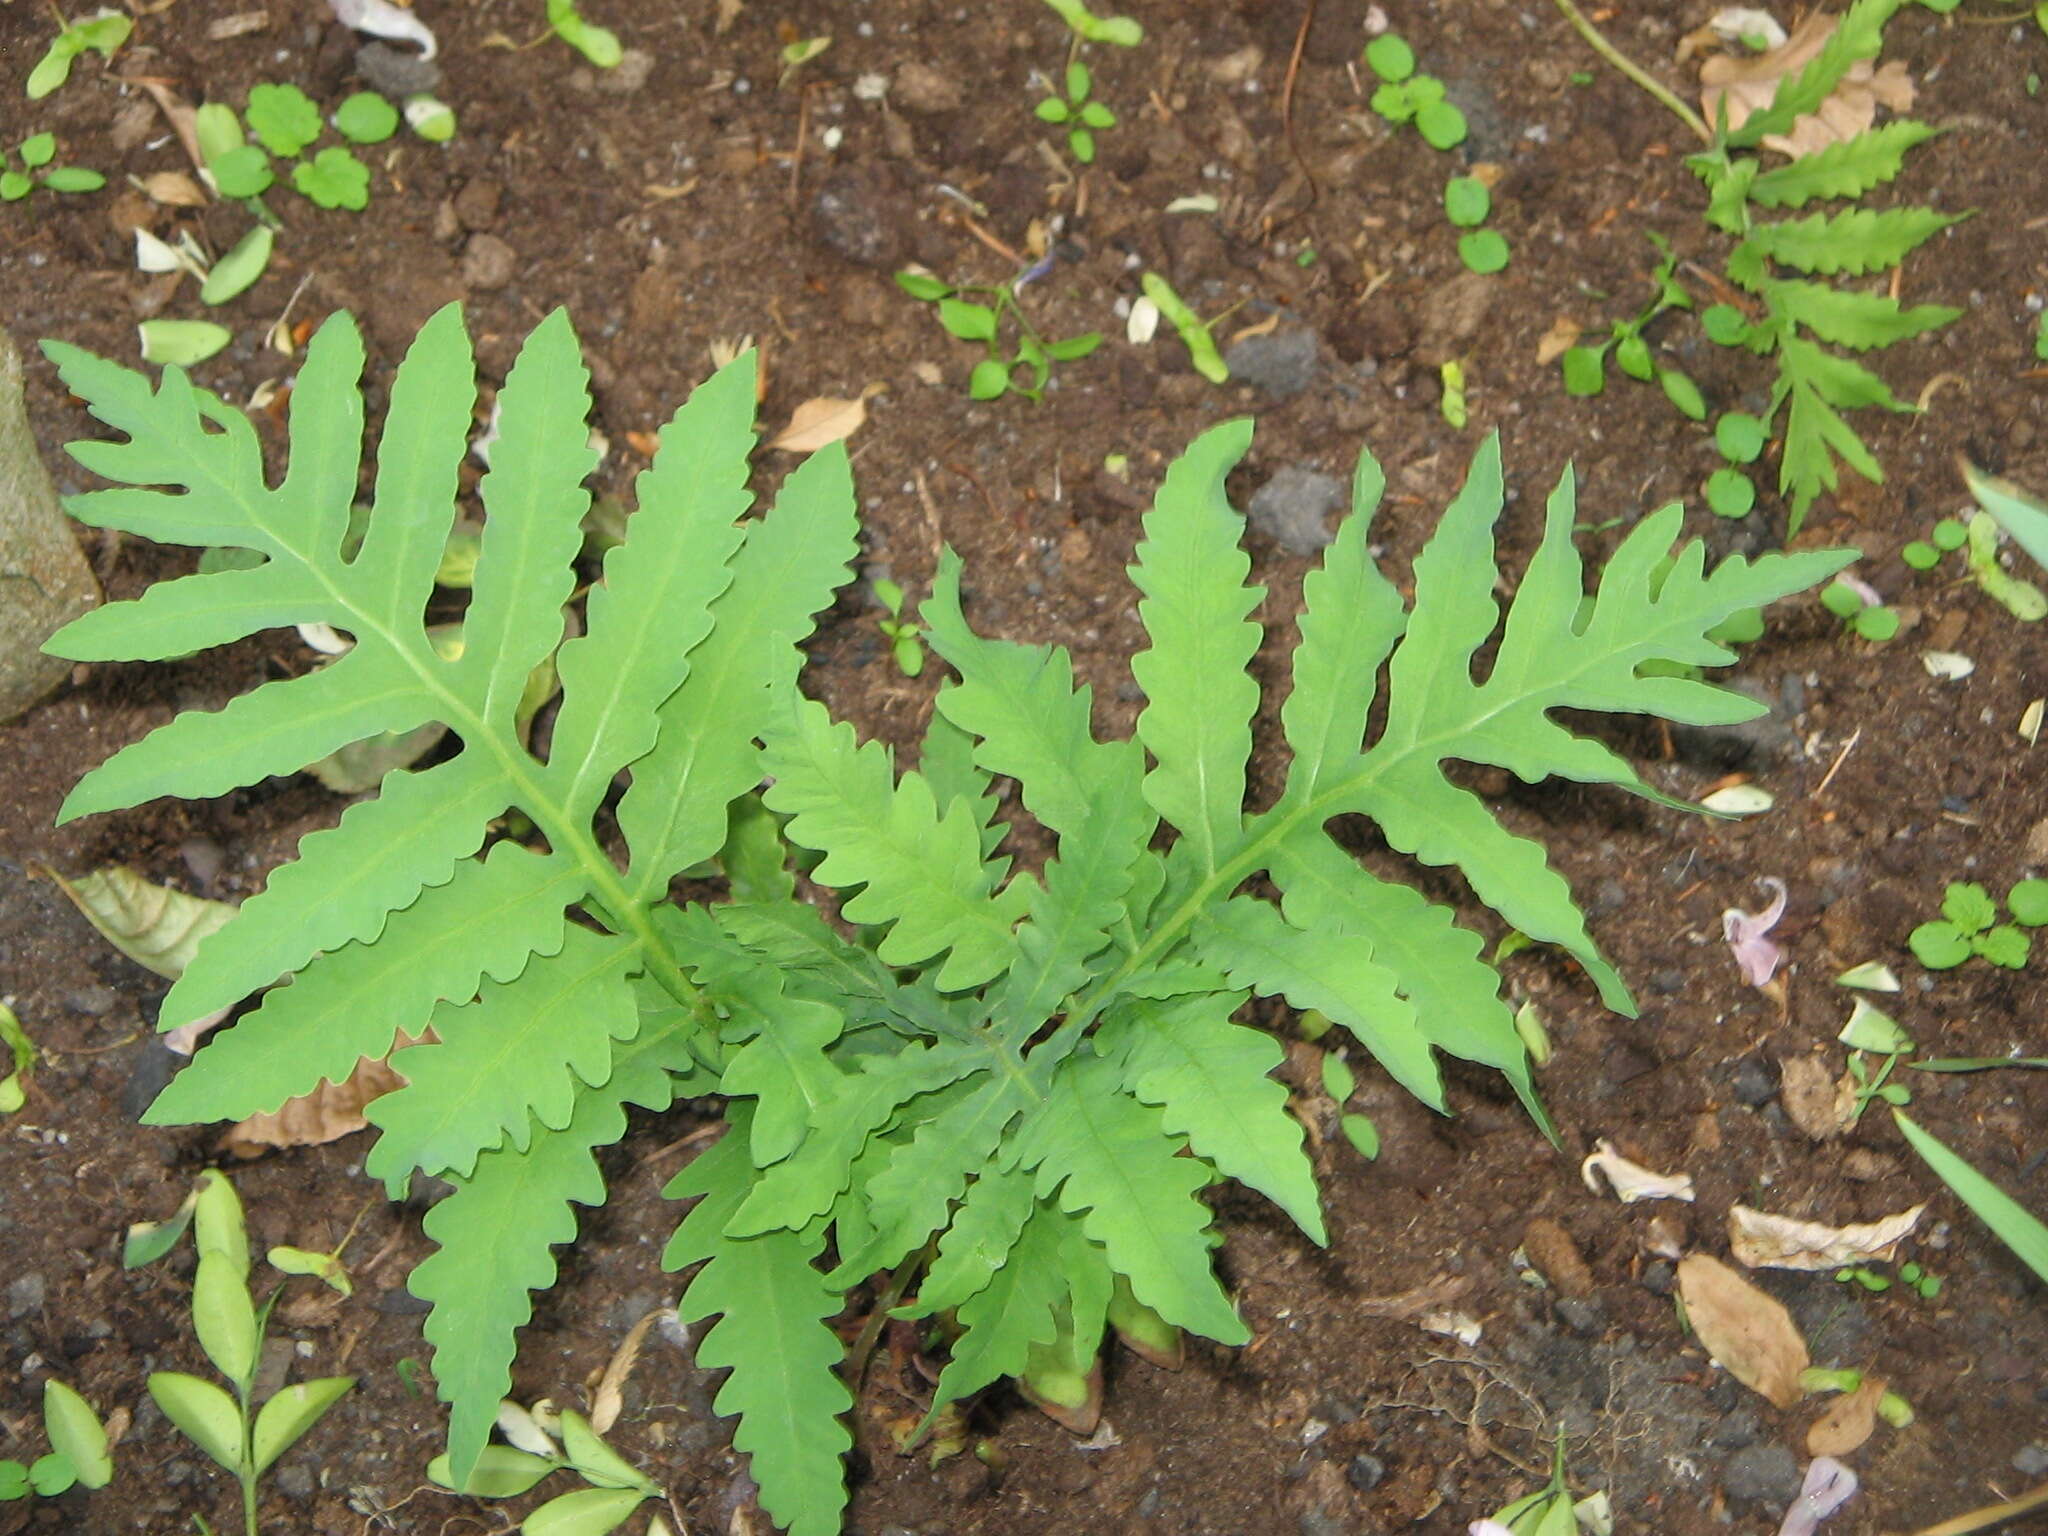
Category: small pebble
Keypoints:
(1293, 508)
(25, 1294)
(1279, 363)
(488, 262)
(1588, 1319)
(1762, 1474)
(2031, 1460)
(1366, 1472)
(1754, 1084)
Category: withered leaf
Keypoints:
(1848, 1421)
(1748, 84)
(1751, 1335)
(823, 419)
(1760, 1240)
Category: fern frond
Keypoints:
(1196, 723)
(1846, 168)
(1859, 320)
(923, 874)
(520, 1054)
(1106, 1158)
(1013, 1309)
(946, 759)
(1859, 35)
(783, 1066)
(1818, 386)
(494, 1233)
(772, 1334)
(354, 1001)
(1856, 241)
(1257, 948)
(792, 561)
(1211, 1080)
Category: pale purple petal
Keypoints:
(1861, 588)
(1828, 1486)
(1747, 936)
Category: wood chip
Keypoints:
(1748, 1333)
(174, 189)
(241, 24)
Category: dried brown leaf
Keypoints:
(1814, 1100)
(1848, 1421)
(822, 420)
(174, 189)
(328, 1113)
(1763, 1241)
(1562, 336)
(178, 112)
(1748, 83)
(610, 1395)
(1751, 1335)
(728, 13)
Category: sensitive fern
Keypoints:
(1005, 1089)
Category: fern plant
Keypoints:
(1008, 1088)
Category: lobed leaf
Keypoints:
(1859, 320)
(1857, 241)
(1847, 168)
(1858, 36)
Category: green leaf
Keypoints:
(970, 322)
(1484, 251)
(283, 117)
(218, 1224)
(494, 1233)
(74, 178)
(1196, 610)
(597, 1462)
(14, 1481)
(2004, 945)
(38, 150)
(1740, 437)
(1857, 36)
(783, 1067)
(1857, 241)
(290, 1412)
(179, 344)
(52, 1475)
(990, 378)
(239, 268)
(1107, 1159)
(1584, 373)
(205, 1414)
(1002, 1319)
(1211, 1079)
(1969, 906)
(365, 118)
(334, 178)
(774, 1305)
(1683, 393)
(585, 1512)
(1859, 320)
(2021, 515)
(2014, 1226)
(1730, 493)
(1847, 168)
(76, 1434)
(241, 170)
(923, 873)
(158, 927)
(1443, 126)
(521, 1053)
(1939, 946)
(2027, 901)
(595, 43)
(224, 1317)
(500, 1472)
(1389, 57)
(1466, 201)
(14, 186)
(922, 285)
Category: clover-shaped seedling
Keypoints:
(1407, 97)
(100, 33)
(1081, 115)
(595, 43)
(77, 1457)
(906, 640)
(1969, 925)
(1466, 204)
(1859, 607)
(1119, 30)
(283, 118)
(334, 178)
(36, 154)
(983, 318)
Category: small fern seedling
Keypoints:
(1012, 1087)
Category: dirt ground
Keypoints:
(691, 198)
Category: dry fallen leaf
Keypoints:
(610, 1396)
(1749, 1334)
(1749, 83)
(1562, 336)
(328, 1113)
(1631, 1181)
(173, 189)
(1848, 1421)
(1813, 1099)
(1763, 1241)
(824, 419)
(728, 13)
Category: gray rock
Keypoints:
(1366, 1472)
(396, 72)
(629, 75)
(1766, 739)
(1316, 1522)
(1737, 1428)
(862, 215)
(25, 1294)
(155, 1064)
(1659, 1277)
(1291, 508)
(93, 1002)
(294, 1481)
(488, 262)
(1279, 363)
(2032, 1460)
(1762, 1474)
(1755, 1083)
(1588, 1319)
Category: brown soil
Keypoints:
(674, 213)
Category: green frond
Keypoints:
(978, 1242)
(1858, 36)
(1107, 1159)
(783, 1066)
(495, 1231)
(1257, 948)
(654, 604)
(1859, 320)
(673, 813)
(922, 874)
(193, 613)
(1196, 723)
(1857, 241)
(520, 1054)
(946, 759)
(1013, 1309)
(773, 1306)
(354, 1001)
(1847, 168)
(1212, 1081)
(346, 880)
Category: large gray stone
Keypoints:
(1279, 363)
(44, 579)
(1293, 508)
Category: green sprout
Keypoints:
(1120, 31)
(2006, 512)
(36, 154)
(1454, 408)
(1969, 925)
(2008, 1220)
(1891, 1407)
(1340, 1082)
(366, 118)
(593, 42)
(1196, 334)
(1923, 1284)
(906, 640)
(432, 119)
(1404, 96)
(1081, 115)
(283, 118)
(1585, 364)
(2041, 338)
(77, 1457)
(334, 178)
(616, 1487)
(22, 1052)
(242, 1437)
(1851, 602)
(983, 313)
(100, 33)
(1871, 1281)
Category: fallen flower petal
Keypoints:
(1488, 1528)
(1828, 1486)
(1631, 1181)
(1746, 933)
(1763, 1241)
(380, 18)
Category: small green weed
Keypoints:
(1978, 542)
(1120, 31)
(2010, 1222)
(286, 123)
(36, 153)
(77, 1457)
(1082, 117)
(906, 639)
(21, 1052)
(2041, 337)
(986, 313)
(1584, 364)
(616, 1487)
(596, 44)
(1196, 334)
(241, 1436)
(1861, 610)
(101, 33)
(1467, 202)
(1403, 96)
(1969, 925)
(1891, 1407)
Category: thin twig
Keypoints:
(1622, 62)
(1315, 190)
(1840, 758)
